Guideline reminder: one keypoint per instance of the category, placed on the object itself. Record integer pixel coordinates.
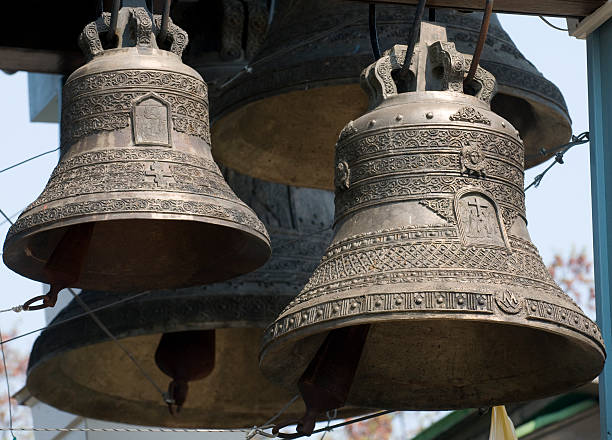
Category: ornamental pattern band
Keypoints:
(437, 302)
(241, 215)
(103, 102)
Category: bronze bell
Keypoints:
(74, 366)
(308, 72)
(137, 201)
(431, 285)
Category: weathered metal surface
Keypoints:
(431, 249)
(561, 8)
(91, 376)
(279, 121)
(136, 161)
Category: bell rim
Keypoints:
(14, 242)
(285, 344)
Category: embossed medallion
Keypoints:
(151, 121)
(509, 302)
(479, 220)
(473, 159)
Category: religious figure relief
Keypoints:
(473, 160)
(151, 121)
(479, 220)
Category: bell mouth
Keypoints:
(454, 362)
(131, 254)
(99, 381)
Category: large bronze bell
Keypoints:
(74, 366)
(278, 121)
(137, 201)
(431, 286)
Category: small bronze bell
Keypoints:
(137, 201)
(74, 366)
(431, 259)
(277, 121)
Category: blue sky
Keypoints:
(559, 212)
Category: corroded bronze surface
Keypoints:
(431, 249)
(76, 368)
(281, 118)
(136, 161)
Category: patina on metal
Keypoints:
(136, 163)
(278, 120)
(76, 368)
(431, 250)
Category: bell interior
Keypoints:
(293, 151)
(288, 149)
(455, 363)
(100, 381)
(124, 253)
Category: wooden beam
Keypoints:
(42, 61)
(562, 8)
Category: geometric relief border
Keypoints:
(383, 303)
(433, 302)
(243, 216)
(543, 311)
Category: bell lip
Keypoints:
(289, 339)
(17, 260)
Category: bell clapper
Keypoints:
(185, 357)
(63, 268)
(326, 383)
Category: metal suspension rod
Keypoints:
(113, 21)
(374, 31)
(163, 32)
(414, 35)
(484, 30)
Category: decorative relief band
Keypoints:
(241, 215)
(394, 188)
(432, 303)
(543, 311)
(96, 105)
(134, 169)
(134, 154)
(391, 258)
(429, 302)
(146, 79)
(359, 146)
(134, 176)
(421, 162)
(111, 111)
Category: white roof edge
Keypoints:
(583, 28)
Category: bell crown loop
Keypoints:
(435, 66)
(137, 27)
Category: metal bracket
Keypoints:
(583, 28)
